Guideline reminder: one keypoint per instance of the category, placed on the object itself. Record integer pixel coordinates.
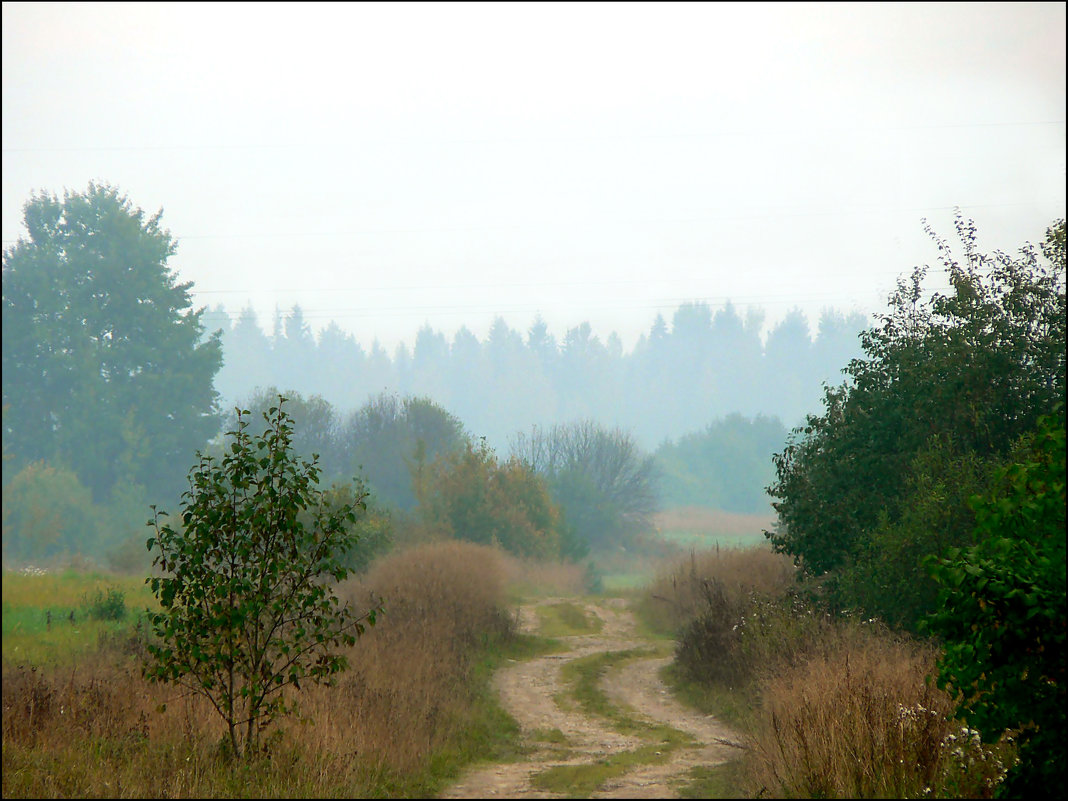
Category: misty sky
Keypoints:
(392, 165)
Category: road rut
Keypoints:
(535, 694)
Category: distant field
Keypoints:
(46, 618)
(699, 527)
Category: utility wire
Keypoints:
(785, 130)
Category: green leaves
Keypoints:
(948, 385)
(246, 612)
(106, 367)
(1002, 613)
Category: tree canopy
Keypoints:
(106, 370)
(604, 483)
(1001, 613)
(947, 385)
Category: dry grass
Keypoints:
(699, 518)
(680, 593)
(412, 673)
(834, 707)
(408, 713)
(862, 720)
(531, 578)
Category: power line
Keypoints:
(784, 130)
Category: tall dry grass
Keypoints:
(410, 684)
(532, 577)
(720, 579)
(862, 719)
(832, 707)
(699, 519)
(412, 708)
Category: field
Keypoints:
(700, 528)
(47, 616)
(504, 677)
(677, 531)
(414, 708)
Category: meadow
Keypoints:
(678, 531)
(828, 707)
(702, 528)
(415, 707)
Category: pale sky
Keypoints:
(392, 165)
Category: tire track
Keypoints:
(529, 691)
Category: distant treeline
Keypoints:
(678, 379)
(112, 381)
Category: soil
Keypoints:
(527, 691)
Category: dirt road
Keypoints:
(604, 757)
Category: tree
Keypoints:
(1001, 614)
(788, 367)
(948, 383)
(725, 466)
(104, 365)
(316, 427)
(469, 495)
(603, 482)
(50, 512)
(247, 609)
(394, 439)
(246, 357)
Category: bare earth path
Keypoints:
(529, 691)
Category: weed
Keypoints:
(109, 605)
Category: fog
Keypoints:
(667, 221)
(387, 166)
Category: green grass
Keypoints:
(616, 582)
(735, 707)
(37, 614)
(488, 733)
(584, 679)
(581, 781)
(68, 589)
(554, 736)
(715, 781)
(565, 619)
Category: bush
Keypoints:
(413, 690)
(469, 495)
(248, 608)
(680, 594)
(1002, 613)
(49, 512)
(109, 605)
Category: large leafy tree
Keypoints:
(316, 427)
(105, 366)
(469, 495)
(725, 466)
(947, 385)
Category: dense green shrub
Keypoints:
(1002, 614)
(948, 384)
(107, 604)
